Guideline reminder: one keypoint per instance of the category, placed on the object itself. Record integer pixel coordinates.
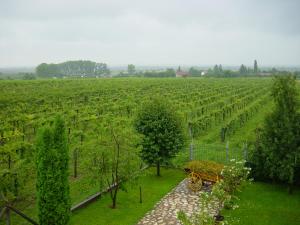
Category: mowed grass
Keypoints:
(129, 210)
(265, 204)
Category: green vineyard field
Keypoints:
(212, 110)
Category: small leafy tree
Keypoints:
(280, 138)
(162, 132)
(52, 174)
(116, 160)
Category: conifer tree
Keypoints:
(278, 154)
(52, 175)
(255, 67)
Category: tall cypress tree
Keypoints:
(279, 151)
(255, 67)
(52, 175)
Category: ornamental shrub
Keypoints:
(278, 152)
(208, 167)
(222, 195)
(52, 175)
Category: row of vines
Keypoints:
(204, 104)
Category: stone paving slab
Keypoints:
(165, 211)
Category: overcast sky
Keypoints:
(150, 32)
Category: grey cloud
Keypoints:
(150, 32)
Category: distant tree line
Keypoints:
(72, 68)
(166, 73)
(218, 71)
(28, 76)
(195, 72)
(132, 72)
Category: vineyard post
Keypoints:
(191, 151)
(23, 130)
(75, 155)
(2, 138)
(69, 132)
(9, 161)
(141, 201)
(245, 151)
(227, 150)
(191, 145)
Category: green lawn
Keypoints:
(265, 204)
(129, 210)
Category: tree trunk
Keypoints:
(114, 199)
(158, 168)
(141, 200)
(7, 216)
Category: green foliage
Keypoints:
(222, 195)
(208, 167)
(162, 132)
(278, 149)
(72, 68)
(131, 69)
(255, 68)
(29, 76)
(52, 175)
(86, 104)
(234, 175)
(166, 73)
(47, 70)
(15, 167)
(243, 69)
(195, 72)
(115, 161)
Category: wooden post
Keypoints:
(75, 155)
(245, 151)
(69, 132)
(227, 151)
(9, 161)
(23, 133)
(141, 200)
(191, 151)
(191, 145)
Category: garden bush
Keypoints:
(208, 167)
(222, 194)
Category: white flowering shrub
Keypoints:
(234, 175)
(222, 194)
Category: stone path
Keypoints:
(179, 199)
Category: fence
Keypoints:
(217, 152)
